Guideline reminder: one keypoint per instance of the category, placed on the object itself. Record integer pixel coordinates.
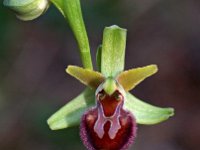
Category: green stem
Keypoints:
(71, 10)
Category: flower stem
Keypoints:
(71, 10)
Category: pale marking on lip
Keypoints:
(114, 119)
(102, 119)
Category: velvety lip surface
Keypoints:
(123, 139)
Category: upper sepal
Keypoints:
(113, 51)
(27, 9)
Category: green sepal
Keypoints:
(130, 78)
(98, 58)
(113, 51)
(69, 115)
(27, 9)
(86, 76)
(145, 113)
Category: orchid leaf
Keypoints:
(86, 76)
(69, 115)
(145, 113)
(113, 51)
(130, 78)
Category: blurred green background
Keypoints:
(34, 55)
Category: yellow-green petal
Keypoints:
(145, 113)
(130, 78)
(86, 76)
(69, 115)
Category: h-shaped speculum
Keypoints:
(102, 120)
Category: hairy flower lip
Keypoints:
(86, 139)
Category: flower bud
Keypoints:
(27, 9)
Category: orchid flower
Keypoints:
(106, 111)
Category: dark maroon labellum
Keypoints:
(108, 126)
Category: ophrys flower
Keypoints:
(106, 111)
